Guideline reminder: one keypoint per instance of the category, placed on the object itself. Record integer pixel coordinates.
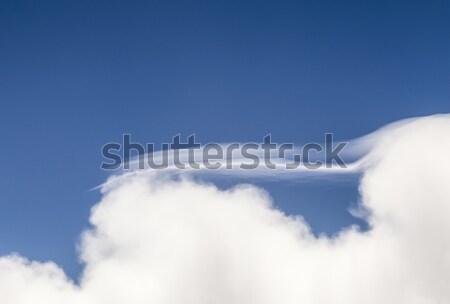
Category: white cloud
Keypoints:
(160, 240)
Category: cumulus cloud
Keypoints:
(156, 239)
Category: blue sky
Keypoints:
(76, 75)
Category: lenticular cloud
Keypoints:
(156, 239)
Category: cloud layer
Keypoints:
(156, 239)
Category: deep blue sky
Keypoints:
(75, 75)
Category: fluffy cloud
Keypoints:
(156, 239)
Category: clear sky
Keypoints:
(75, 75)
